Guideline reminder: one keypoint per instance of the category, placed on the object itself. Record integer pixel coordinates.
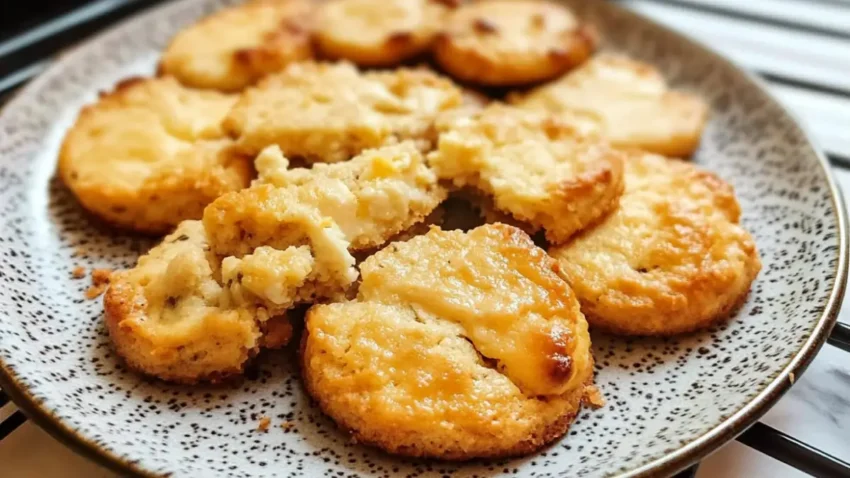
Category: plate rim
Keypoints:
(669, 464)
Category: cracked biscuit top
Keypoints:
(332, 112)
(458, 345)
(551, 173)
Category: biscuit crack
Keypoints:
(488, 362)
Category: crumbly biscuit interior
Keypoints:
(550, 172)
(370, 198)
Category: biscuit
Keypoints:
(167, 317)
(630, 101)
(553, 175)
(184, 316)
(151, 154)
(236, 46)
(377, 32)
(671, 259)
(332, 112)
(512, 42)
(458, 346)
(372, 197)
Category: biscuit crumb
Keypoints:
(100, 281)
(100, 276)
(792, 378)
(593, 397)
(264, 424)
(79, 272)
(94, 291)
(287, 425)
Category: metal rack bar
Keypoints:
(9, 425)
(793, 452)
(25, 54)
(741, 14)
(688, 473)
(840, 336)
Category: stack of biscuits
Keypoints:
(300, 152)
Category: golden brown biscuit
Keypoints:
(671, 259)
(236, 46)
(168, 317)
(377, 32)
(183, 316)
(550, 174)
(459, 345)
(630, 101)
(512, 42)
(372, 197)
(332, 112)
(151, 154)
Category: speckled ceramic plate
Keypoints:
(670, 402)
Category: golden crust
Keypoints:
(377, 32)
(151, 154)
(459, 345)
(168, 317)
(332, 112)
(512, 42)
(236, 46)
(370, 198)
(183, 315)
(630, 101)
(670, 260)
(550, 174)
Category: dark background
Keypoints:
(19, 15)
